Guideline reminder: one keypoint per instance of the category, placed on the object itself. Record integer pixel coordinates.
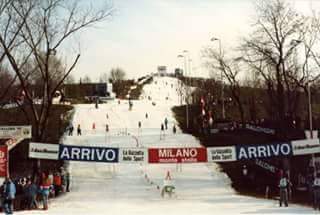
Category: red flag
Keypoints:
(4, 161)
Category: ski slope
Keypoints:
(131, 189)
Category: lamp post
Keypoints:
(185, 58)
(222, 84)
(296, 42)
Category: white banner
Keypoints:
(221, 154)
(44, 151)
(133, 155)
(308, 146)
(16, 132)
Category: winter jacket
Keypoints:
(31, 190)
(57, 180)
(9, 190)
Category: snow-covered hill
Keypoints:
(100, 188)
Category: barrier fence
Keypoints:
(173, 155)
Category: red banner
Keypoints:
(177, 155)
(3, 161)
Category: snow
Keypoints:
(100, 188)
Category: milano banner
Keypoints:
(245, 152)
(4, 161)
(177, 155)
(84, 153)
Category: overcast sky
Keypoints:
(143, 34)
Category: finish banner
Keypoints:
(4, 161)
(177, 155)
(84, 153)
(221, 154)
(133, 155)
(263, 151)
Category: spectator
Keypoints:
(45, 189)
(57, 183)
(9, 194)
(31, 191)
(283, 186)
(316, 192)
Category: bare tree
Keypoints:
(269, 48)
(117, 74)
(217, 63)
(43, 27)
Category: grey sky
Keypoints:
(146, 33)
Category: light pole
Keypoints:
(185, 58)
(296, 42)
(222, 84)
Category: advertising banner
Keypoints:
(303, 147)
(15, 132)
(263, 150)
(84, 153)
(266, 166)
(260, 129)
(221, 154)
(4, 161)
(177, 155)
(44, 151)
(133, 155)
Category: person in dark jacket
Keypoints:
(31, 194)
(9, 194)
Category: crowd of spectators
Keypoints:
(34, 192)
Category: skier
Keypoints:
(107, 128)
(79, 130)
(146, 115)
(45, 190)
(283, 185)
(70, 129)
(316, 192)
(174, 129)
(168, 185)
(139, 124)
(9, 193)
(166, 123)
(162, 131)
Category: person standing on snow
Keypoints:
(283, 186)
(174, 129)
(79, 130)
(9, 194)
(166, 123)
(162, 131)
(316, 192)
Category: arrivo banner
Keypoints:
(133, 155)
(177, 155)
(3, 161)
(308, 146)
(221, 154)
(245, 152)
(83, 153)
(44, 151)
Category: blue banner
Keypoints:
(84, 153)
(263, 150)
